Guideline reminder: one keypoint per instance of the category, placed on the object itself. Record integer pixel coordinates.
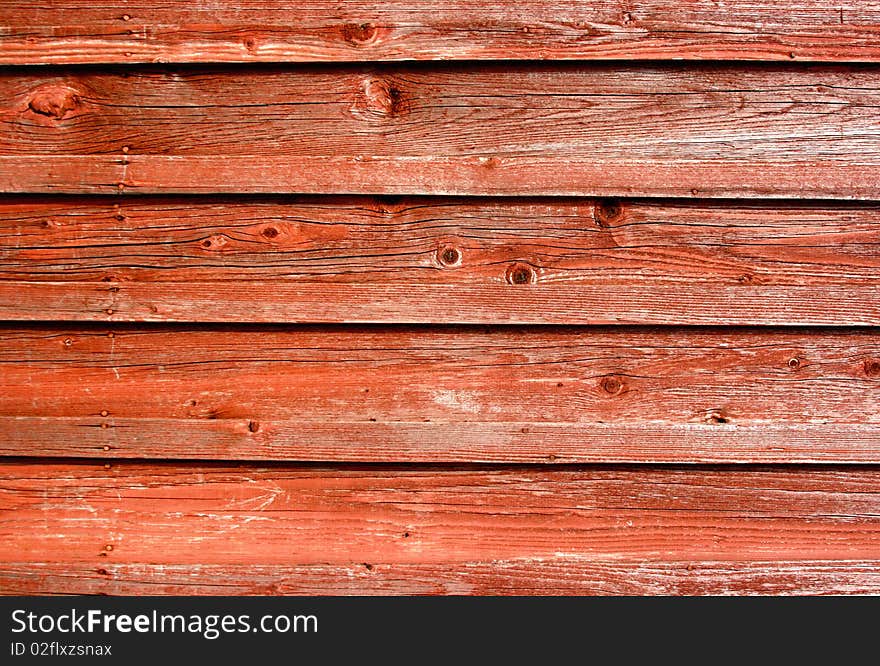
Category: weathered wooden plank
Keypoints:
(442, 395)
(438, 260)
(510, 175)
(77, 31)
(455, 441)
(563, 129)
(560, 575)
(435, 240)
(609, 303)
(79, 527)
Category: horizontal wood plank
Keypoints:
(559, 575)
(455, 394)
(78, 527)
(609, 303)
(455, 441)
(78, 31)
(419, 260)
(206, 407)
(607, 129)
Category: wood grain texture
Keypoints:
(196, 399)
(560, 575)
(421, 260)
(168, 528)
(78, 31)
(564, 129)
(442, 395)
(610, 303)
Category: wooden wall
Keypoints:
(547, 297)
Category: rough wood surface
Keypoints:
(418, 260)
(443, 394)
(169, 528)
(208, 408)
(560, 575)
(607, 303)
(450, 441)
(607, 129)
(78, 31)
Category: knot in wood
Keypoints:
(215, 243)
(448, 256)
(612, 385)
(521, 274)
(607, 212)
(359, 34)
(381, 98)
(53, 101)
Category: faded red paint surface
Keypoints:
(636, 352)
(76, 31)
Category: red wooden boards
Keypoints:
(438, 261)
(201, 316)
(704, 130)
(168, 528)
(78, 31)
(442, 395)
